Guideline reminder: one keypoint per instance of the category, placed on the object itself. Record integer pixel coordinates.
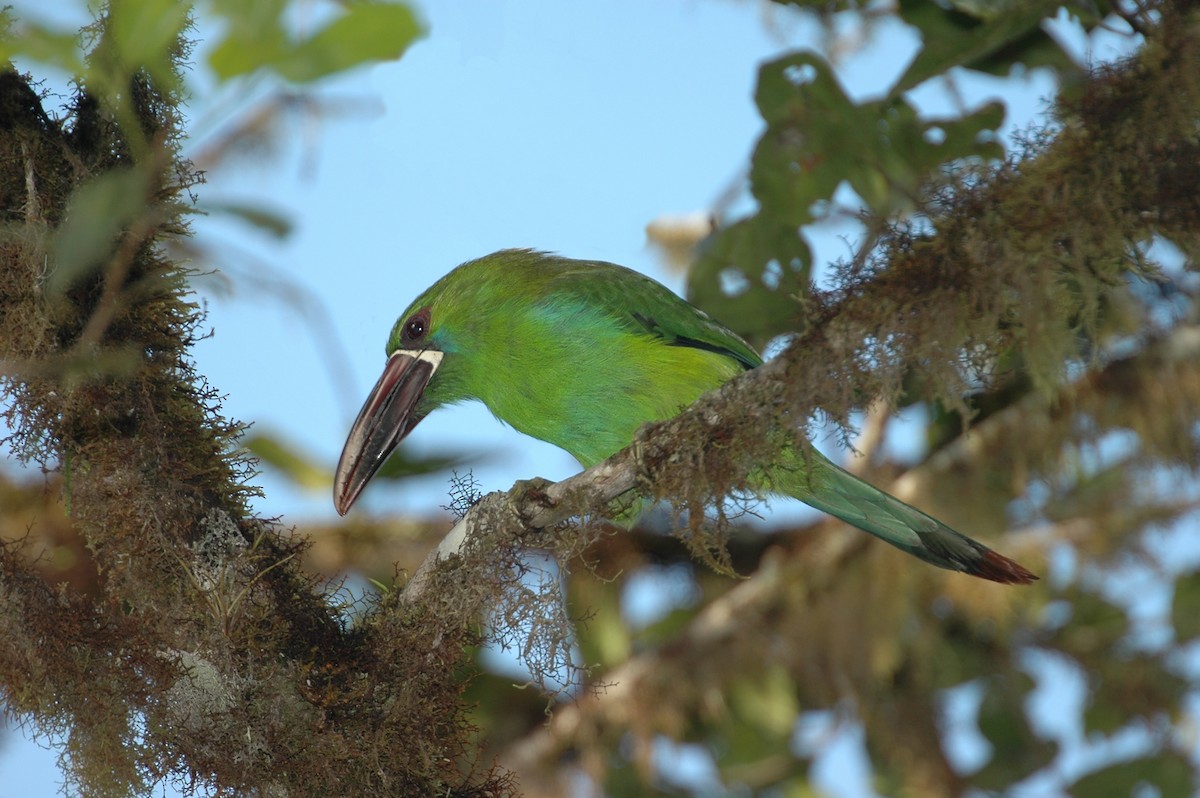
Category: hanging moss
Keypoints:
(205, 655)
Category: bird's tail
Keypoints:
(816, 481)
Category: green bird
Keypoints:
(581, 354)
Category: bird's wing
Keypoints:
(646, 305)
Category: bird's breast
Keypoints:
(589, 397)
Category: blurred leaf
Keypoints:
(799, 787)
(1185, 607)
(803, 106)
(758, 735)
(1016, 750)
(310, 473)
(989, 37)
(498, 705)
(1129, 688)
(143, 34)
(749, 274)
(958, 664)
(603, 638)
(366, 32)
(1101, 716)
(402, 464)
(765, 265)
(297, 467)
(1170, 772)
(37, 43)
(666, 628)
(621, 779)
(255, 37)
(816, 138)
(96, 214)
(974, 135)
(1106, 488)
(268, 221)
(363, 33)
(962, 659)
(768, 700)
(1096, 626)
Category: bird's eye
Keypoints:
(416, 326)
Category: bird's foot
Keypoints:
(528, 496)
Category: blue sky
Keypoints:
(561, 126)
(564, 127)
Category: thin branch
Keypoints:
(717, 625)
(601, 484)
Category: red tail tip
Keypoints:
(999, 568)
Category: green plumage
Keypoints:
(576, 353)
(582, 353)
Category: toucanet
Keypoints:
(581, 354)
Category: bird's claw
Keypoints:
(528, 492)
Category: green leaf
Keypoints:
(145, 32)
(803, 155)
(1102, 716)
(402, 465)
(97, 212)
(766, 264)
(962, 659)
(39, 44)
(816, 138)
(268, 221)
(1170, 772)
(749, 274)
(984, 36)
(1016, 749)
(604, 639)
(1107, 487)
(306, 471)
(1185, 607)
(768, 701)
(666, 628)
(363, 34)
(236, 56)
(757, 736)
(299, 468)
(1096, 626)
(1128, 689)
(366, 33)
(255, 37)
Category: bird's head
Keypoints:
(416, 379)
(438, 353)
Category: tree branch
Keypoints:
(803, 574)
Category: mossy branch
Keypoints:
(1022, 258)
(802, 581)
(205, 654)
(1034, 257)
(202, 653)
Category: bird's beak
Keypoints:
(383, 422)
